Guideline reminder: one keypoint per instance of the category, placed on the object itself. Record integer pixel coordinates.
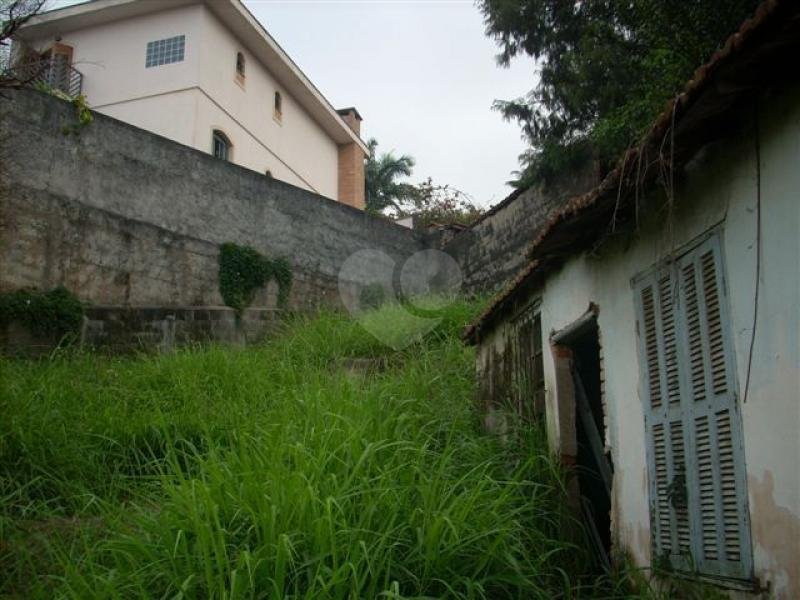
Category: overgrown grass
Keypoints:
(274, 472)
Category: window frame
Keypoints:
(527, 376)
(217, 135)
(165, 51)
(241, 66)
(277, 106)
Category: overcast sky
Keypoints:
(421, 73)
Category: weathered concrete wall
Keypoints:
(491, 252)
(720, 189)
(124, 217)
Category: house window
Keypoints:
(221, 145)
(240, 65)
(278, 106)
(698, 495)
(528, 363)
(163, 52)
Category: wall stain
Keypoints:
(777, 531)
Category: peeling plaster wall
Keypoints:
(720, 188)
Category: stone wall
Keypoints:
(124, 217)
(129, 220)
(492, 251)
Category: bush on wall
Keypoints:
(56, 312)
(243, 270)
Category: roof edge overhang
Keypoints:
(237, 18)
(759, 56)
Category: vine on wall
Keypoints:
(243, 270)
(83, 115)
(56, 312)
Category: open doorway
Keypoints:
(581, 398)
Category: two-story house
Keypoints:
(204, 73)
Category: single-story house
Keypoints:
(655, 328)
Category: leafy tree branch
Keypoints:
(605, 69)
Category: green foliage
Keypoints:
(243, 270)
(427, 202)
(605, 68)
(273, 472)
(56, 312)
(381, 173)
(83, 114)
(430, 203)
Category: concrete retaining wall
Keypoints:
(187, 201)
(123, 217)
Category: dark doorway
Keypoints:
(593, 466)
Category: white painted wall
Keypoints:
(721, 188)
(185, 101)
(296, 145)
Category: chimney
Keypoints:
(351, 163)
(352, 118)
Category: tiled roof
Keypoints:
(763, 52)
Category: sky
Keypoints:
(423, 76)
(421, 73)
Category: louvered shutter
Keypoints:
(664, 424)
(695, 453)
(717, 476)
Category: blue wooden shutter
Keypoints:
(664, 425)
(692, 421)
(716, 476)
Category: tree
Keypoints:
(430, 203)
(381, 174)
(13, 15)
(427, 202)
(605, 68)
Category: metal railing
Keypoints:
(54, 73)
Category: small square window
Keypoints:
(166, 51)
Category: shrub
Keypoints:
(242, 270)
(56, 312)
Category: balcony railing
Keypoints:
(54, 73)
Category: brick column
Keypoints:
(351, 163)
(351, 175)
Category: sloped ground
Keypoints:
(274, 471)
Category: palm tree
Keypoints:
(381, 174)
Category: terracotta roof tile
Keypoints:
(780, 13)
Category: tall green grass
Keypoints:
(273, 472)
